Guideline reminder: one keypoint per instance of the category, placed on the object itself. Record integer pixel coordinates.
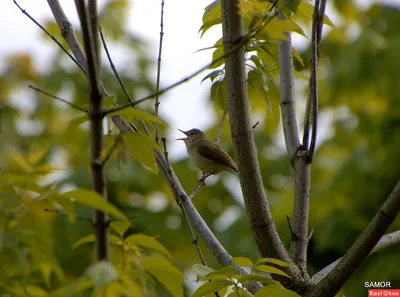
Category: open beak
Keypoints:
(183, 133)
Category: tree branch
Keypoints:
(58, 98)
(157, 103)
(52, 37)
(386, 241)
(67, 32)
(286, 88)
(261, 223)
(357, 253)
(297, 155)
(89, 23)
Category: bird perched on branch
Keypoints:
(206, 155)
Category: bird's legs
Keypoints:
(204, 176)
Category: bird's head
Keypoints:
(192, 135)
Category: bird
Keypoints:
(206, 155)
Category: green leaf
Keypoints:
(217, 59)
(213, 75)
(37, 157)
(270, 269)
(147, 242)
(224, 272)
(23, 182)
(293, 5)
(212, 286)
(275, 290)
(242, 261)
(218, 93)
(240, 292)
(307, 10)
(115, 240)
(139, 146)
(254, 278)
(108, 101)
(138, 114)
(211, 16)
(274, 261)
(77, 121)
(120, 227)
(202, 270)
(94, 200)
(300, 75)
(166, 273)
(297, 56)
(102, 273)
(86, 239)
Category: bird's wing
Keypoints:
(215, 153)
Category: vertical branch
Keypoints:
(318, 19)
(260, 218)
(89, 23)
(297, 154)
(157, 103)
(286, 88)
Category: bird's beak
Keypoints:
(183, 133)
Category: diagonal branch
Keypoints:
(386, 241)
(58, 98)
(52, 37)
(360, 249)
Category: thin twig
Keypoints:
(52, 37)
(221, 126)
(164, 140)
(255, 125)
(194, 74)
(58, 98)
(292, 234)
(157, 103)
(124, 89)
(113, 67)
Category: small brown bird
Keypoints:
(206, 155)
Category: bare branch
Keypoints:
(113, 66)
(318, 19)
(236, 47)
(286, 87)
(67, 32)
(297, 155)
(157, 103)
(221, 126)
(89, 23)
(335, 279)
(260, 218)
(58, 98)
(52, 37)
